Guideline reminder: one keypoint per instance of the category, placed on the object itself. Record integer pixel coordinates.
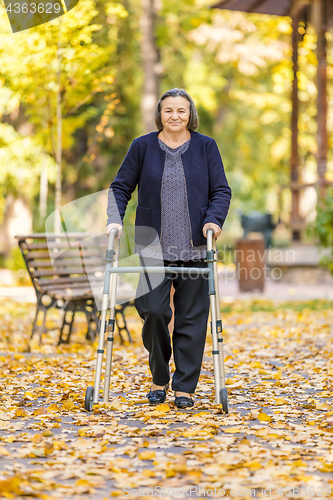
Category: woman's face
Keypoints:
(175, 114)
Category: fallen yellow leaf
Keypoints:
(29, 395)
(189, 433)
(255, 364)
(10, 486)
(148, 473)
(68, 405)
(231, 430)
(323, 407)
(263, 417)
(326, 467)
(4, 451)
(163, 408)
(37, 438)
(39, 411)
(20, 412)
(47, 433)
(53, 407)
(262, 432)
(299, 463)
(253, 465)
(147, 455)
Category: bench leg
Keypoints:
(43, 309)
(65, 323)
(121, 311)
(40, 308)
(41, 328)
(93, 327)
(34, 325)
(92, 320)
(120, 328)
(91, 314)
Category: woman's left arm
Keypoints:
(219, 189)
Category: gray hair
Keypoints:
(193, 122)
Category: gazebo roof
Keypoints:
(273, 7)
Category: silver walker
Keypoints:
(109, 294)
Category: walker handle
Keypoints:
(210, 233)
(113, 233)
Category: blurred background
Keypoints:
(76, 91)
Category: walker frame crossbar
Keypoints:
(109, 296)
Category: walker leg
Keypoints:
(110, 328)
(100, 352)
(92, 393)
(215, 352)
(224, 392)
(212, 294)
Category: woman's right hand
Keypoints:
(114, 225)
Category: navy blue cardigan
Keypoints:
(207, 188)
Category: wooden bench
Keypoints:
(67, 272)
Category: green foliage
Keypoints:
(323, 227)
(95, 133)
(237, 68)
(15, 260)
(21, 163)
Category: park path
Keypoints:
(229, 291)
(278, 434)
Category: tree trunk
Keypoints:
(57, 220)
(151, 86)
(43, 190)
(151, 63)
(8, 215)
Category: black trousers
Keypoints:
(191, 304)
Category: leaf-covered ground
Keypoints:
(276, 442)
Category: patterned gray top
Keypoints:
(176, 235)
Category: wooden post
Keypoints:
(294, 174)
(319, 19)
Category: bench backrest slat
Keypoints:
(77, 279)
(58, 272)
(56, 264)
(63, 262)
(43, 236)
(53, 245)
(85, 253)
(70, 286)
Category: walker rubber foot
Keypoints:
(88, 402)
(224, 400)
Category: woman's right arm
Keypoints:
(122, 187)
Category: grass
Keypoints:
(270, 306)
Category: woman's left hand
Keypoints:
(210, 225)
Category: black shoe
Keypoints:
(157, 397)
(183, 402)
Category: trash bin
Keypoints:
(250, 264)
(258, 222)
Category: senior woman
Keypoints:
(182, 192)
